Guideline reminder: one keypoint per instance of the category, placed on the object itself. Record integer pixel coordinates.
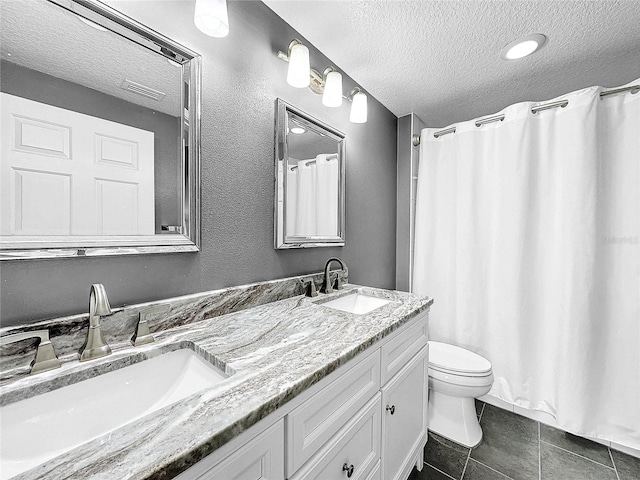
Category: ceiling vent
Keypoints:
(142, 90)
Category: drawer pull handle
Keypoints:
(391, 409)
(348, 469)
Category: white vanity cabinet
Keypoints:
(365, 421)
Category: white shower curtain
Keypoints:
(292, 198)
(312, 197)
(327, 182)
(527, 237)
(306, 199)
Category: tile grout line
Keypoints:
(438, 470)
(465, 465)
(481, 412)
(581, 456)
(539, 455)
(492, 469)
(613, 462)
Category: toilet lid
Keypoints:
(449, 358)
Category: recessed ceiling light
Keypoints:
(297, 130)
(523, 46)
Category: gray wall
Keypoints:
(40, 87)
(241, 80)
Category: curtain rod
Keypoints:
(329, 157)
(538, 108)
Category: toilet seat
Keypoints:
(452, 360)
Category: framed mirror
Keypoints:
(310, 181)
(100, 134)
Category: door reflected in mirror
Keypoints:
(310, 163)
(100, 134)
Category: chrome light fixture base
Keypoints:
(317, 82)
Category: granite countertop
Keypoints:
(273, 352)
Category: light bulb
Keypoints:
(332, 96)
(358, 108)
(521, 50)
(299, 66)
(211, 17)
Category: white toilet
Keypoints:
(456, 377)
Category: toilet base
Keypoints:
(454, 418)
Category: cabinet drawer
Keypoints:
(404, 346)
(404, 418)
(259, 459)
(357, 445)
(313, 423)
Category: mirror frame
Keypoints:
(187, 238)
(281, 240)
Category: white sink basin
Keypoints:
(37, 429)
(356, 302)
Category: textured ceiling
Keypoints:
(441, 59)
(42, 36)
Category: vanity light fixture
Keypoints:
(358, 100)
(523, 46)
(211, 17)
(332, 95)
(329, 84)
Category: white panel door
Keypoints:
(66, 173)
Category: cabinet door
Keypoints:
(404, 418)
(375, 475)
(262, 458)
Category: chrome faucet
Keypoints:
(327, 284)
(95, 345)
(46, 358)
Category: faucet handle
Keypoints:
(142, 335)
(327, 284)
(311, 291)
(338, 283)
(46, 358)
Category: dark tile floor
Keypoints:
(515, 447)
